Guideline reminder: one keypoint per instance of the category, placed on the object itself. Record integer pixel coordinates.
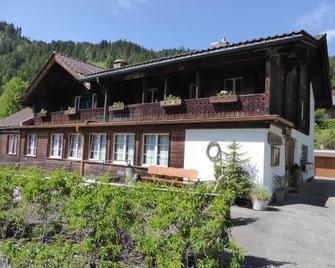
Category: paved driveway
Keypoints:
(300, 233)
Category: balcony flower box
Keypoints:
(42, 113)
(171, 102)
(70, 111)
(116, 107)
(223, 99)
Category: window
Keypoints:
(234, 84)
(151, 95)
(86, 101)
(275, 156)
(75, 146)
(94, 100)
(98, 147)
(304, 153)
(156, 149)
(77, 102)
(12, 143)
(124, 145)
(56, 145)
(31, 144)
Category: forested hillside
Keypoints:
(21, 58)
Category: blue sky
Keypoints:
(161, 24)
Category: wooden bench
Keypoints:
(169, 175)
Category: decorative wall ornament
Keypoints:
(214, 152)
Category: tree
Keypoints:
(9, 100)
(231, 173)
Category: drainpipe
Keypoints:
(106, 98)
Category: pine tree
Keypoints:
(231, 172)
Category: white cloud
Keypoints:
(119, 7)
(330, 35)
(321, 16)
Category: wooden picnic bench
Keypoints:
(169, 175)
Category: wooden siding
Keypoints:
(325, 166)
(86, 167)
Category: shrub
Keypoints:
(259, 192)
(64, 223)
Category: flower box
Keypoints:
(42, 114)
(170, 103)
(223, 99)
(116, 107)
(71, 111)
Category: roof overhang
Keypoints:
(261, 43)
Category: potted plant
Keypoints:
(42, 113)
(280, 188)
(117, 106)
(223, 96)
(260, 197)
(70, 111)
(171, 101)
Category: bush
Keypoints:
(259, 192)
(60, 222)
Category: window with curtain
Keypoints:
(155, 150)
(12, 144)
(56, 145)
(75, 146)
(31, 144)
(98, 147)
(124, 147)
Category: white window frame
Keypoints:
(60, 149)
(77, 102)
(77, 148)
(234, 83)
(31, 146)
(156, 148)
(90, 148)
(94, 101)
(119, 162)
(12, 144)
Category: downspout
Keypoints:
(105, 100)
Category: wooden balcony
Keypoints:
(199, 109)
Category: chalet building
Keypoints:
(261, 93)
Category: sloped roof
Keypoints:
(77, 68)
(16, 119)
(193, 54)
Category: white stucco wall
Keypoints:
(252, 142)
(271, 172)
(302, 139)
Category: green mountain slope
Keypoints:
(22, 57)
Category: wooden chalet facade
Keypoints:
(100, 120)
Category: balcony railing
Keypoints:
(198, 109)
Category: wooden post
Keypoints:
(143, 89)
(105, 105)
(267, 83)
(197, 84)
(165, 86)
(84, 154)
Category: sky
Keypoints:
(161, 24)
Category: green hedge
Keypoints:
(60, 222)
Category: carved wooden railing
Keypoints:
(247, 105)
